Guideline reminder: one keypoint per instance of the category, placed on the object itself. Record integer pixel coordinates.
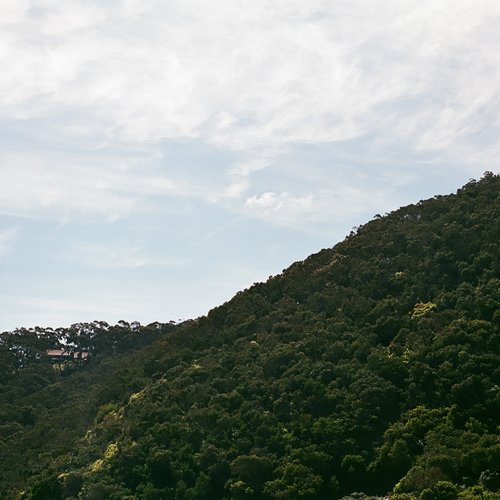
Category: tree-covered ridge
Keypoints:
(45, 404)
(27, 346)
(369, 367)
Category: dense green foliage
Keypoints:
(369, 367)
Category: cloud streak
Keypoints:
(7, 239)
(55, 184)
(123, 257)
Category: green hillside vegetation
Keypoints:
(367, 369)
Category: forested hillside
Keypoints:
(368, 368)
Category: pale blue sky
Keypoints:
(156, 157)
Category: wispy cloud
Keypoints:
(107, 256)
(269, 74)
(7, 239)
(91, 76)
(279, 208)
(54, 184)
(239, 178)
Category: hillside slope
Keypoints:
(370, 367)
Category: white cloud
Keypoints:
(258, 75)
(280, 208)
(326, 206)
(256, 78)
(239, 177)
(13, 11)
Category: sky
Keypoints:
(157, 157)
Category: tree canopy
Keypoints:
(369, 368)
